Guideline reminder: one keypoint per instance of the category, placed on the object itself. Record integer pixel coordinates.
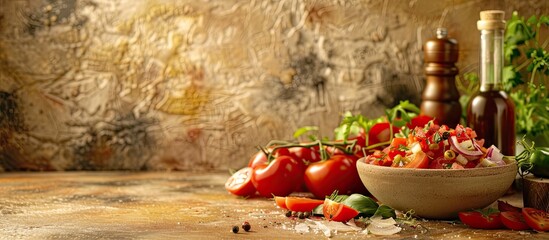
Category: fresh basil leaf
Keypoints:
(385, 212)
(361, 203)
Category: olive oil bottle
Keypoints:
(491, 113)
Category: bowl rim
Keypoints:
(425, 172)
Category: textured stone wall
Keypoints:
(196, 84)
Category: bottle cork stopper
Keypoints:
(494, 15)
(491, 20)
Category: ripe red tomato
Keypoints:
(337, 173)
(304, 155)
(240, 183)
(257, 159)
(536, 219)
(476, 219)
(300, 204)
(279, 178)
(514, 220)
(335, 211)
(380, 132)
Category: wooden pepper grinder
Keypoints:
(440, 98)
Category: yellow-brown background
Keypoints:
(124, 84)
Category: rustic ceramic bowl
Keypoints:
(436, 193)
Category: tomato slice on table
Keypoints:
(280, 202)
(514, 220)
(338, 212)
(240, 183)
(301, 204)
(536, 219)
(477, 219)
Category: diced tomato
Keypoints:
(514, 221)
(280, 202)
(420, 121)
(301, 204)
(420, 161)
(441, 163)
(338, 212)
(506, 207)
(536, 219)
(476, 219)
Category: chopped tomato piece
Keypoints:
(338, 212)
(420, 161)
(536, 219)
(301, 204)
(280, 202)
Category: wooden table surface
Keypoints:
(170, 205)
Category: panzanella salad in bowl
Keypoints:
(437, 147)
(437, 171)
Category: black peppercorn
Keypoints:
(288, 213)
(246, 226)
(235, 229)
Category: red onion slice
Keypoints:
(465, 152)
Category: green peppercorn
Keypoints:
(246, 226)
(235, 229)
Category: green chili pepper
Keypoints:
(534, 160)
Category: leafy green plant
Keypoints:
(525, 75)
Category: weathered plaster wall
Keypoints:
(196, 84)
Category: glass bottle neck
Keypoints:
(491, 60)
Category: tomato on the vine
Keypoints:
(280, 177)
(337, 173)
(240, 183)
(381, 132)
(536, 219)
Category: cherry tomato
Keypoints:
(337, 173)
(280, 202)
(240, 183)
(280, 177)
(338, 212)
(476, 219)
(514, 221)
(420, 161)
(506, 207)
(536, 219)
(300, 204)
(380, 132)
